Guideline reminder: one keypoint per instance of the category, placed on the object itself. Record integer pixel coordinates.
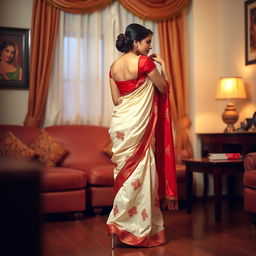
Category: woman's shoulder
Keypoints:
(146, 64)
(113, 66)
(124, 60)
(144, 58)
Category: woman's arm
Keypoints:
(114, 91)
(159, 60)
(157, 78)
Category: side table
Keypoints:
(217, 168)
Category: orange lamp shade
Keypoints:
(230, 88)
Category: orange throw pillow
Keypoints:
(108, 149)
(11, 146)
(50, 152)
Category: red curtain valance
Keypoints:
(145, 9)
(79, 6)
(154, 9)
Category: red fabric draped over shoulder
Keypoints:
(165, 157)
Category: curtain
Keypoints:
(45, 20)
(146, 9)
(171, 34)
(79, 6)
(79, 87)
(155, 9)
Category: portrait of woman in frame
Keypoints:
(14, 58)
(250, 32)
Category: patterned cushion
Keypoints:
(50, 152)
(108, 149)
(11, 146)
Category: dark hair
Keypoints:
(124, 42)
(5, 44)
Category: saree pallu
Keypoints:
(136, 217)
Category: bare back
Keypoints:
(125, 68)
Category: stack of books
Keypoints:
(224, 156)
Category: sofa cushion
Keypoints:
(26, 134)
(250, 179)
(12, 146)
(60, 179)
(49, 150)
(101, 175)
(85, 144)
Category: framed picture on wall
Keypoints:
(14, 58)
(250, 31)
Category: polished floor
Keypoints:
(187, 235)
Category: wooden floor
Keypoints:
(187, 235)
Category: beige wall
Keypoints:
(233, 54)
(13, 103)
(215, 49)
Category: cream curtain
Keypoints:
(79, 88)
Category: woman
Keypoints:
(141, 116)
(8, 68)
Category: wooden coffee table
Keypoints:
(217, 168)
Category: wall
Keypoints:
(215, 49)
(13, 103)
(233, 54)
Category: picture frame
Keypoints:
(14, 58)
(250, 31)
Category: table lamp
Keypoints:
(230, 88)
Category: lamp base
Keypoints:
(229, 128)
(230, 117)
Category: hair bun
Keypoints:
(123, 43)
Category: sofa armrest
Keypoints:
(181, 154)
(250, 162)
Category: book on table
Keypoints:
(224, 156)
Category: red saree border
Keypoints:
(165, 157)
(140, 150)
(130, 239)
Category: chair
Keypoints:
(250, 187)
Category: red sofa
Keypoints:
(84, 180)
(250, 186)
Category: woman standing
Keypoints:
(140, 117)
(8, 68)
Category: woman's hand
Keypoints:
(156, 57)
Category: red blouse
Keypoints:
(145, 66)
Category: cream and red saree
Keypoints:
(145, 168)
